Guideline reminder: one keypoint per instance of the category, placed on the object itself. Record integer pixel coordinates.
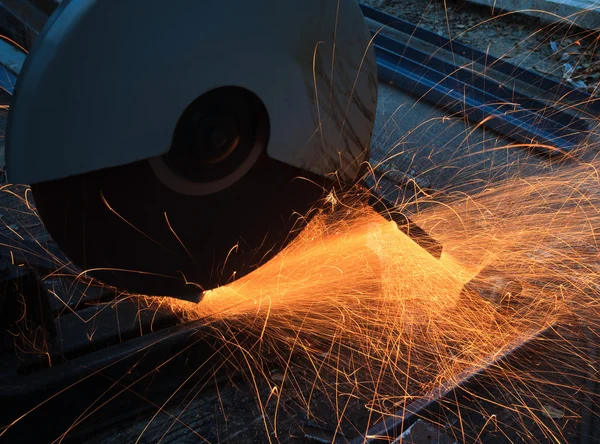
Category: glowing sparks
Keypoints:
(402, 322)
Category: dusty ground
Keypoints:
(524, 40)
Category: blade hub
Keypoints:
(218, 138)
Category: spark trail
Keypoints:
(364, 306)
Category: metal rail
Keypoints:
(463, 91)
(559, 90)
(403, 419)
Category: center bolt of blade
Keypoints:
(217, 137)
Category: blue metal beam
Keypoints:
(481, 99)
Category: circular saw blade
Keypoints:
(211, 183)
(132, 231)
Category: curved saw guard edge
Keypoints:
(106, 82)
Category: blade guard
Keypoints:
(107, 82)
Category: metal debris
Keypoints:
(581, 64)
(552, 412)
